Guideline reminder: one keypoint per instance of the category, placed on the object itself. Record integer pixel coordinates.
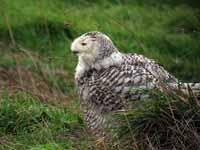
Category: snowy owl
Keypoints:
(107, 79)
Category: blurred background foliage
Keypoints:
(167, 31)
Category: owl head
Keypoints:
(93, 46)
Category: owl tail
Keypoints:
(188, 88)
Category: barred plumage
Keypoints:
(107, 79)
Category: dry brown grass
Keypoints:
(34, 79)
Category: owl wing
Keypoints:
(111, 88)
(129, 80)
(108, 91)
(149, 65)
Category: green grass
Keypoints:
(37, 35)
(159, 31)
(26, 123)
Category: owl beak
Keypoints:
(74, 48)
(75, 52)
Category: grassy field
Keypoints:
(39, 106)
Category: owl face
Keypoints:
(84, 44)
(90, 46)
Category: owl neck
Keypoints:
(116, 58)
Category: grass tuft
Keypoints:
(160, 123)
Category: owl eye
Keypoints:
(93, 39)
(83, 43)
